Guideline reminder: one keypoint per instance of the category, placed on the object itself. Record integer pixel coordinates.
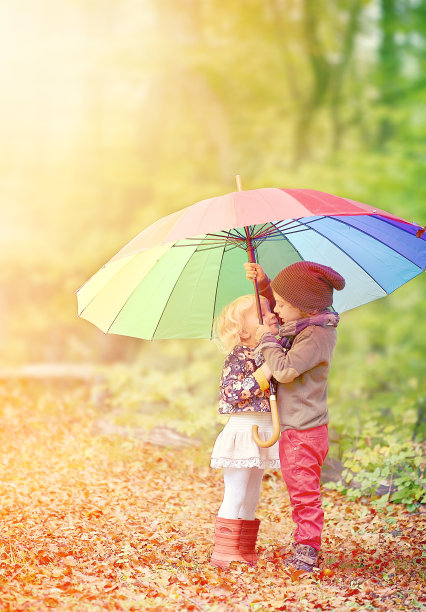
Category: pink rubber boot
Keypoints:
(249, 531)
(226, 542)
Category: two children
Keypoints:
(299, 361)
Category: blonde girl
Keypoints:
(244, 395)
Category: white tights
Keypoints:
(242, 493)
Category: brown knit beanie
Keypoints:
(308, 285)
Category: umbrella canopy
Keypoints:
(174, 278)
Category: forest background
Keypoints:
(116, 113)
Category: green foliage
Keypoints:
(399, 466)
(172, 383)
(377, 397)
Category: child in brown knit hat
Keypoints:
(299, 360)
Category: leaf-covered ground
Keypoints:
(95, 523)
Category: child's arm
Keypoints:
(263, 375)
(241, 380)
(254, 270)
(306, 353)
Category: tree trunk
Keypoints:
(389, 64)
(340, 72)
(320, 69)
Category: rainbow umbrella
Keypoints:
(174, 278)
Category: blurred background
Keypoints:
(116, 113)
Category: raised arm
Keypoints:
(254, 270)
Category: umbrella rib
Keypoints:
(347, 254)
(285, 237)
(282, 224)
(261, 231)
(285, 223)
(229, 246)
(215, 239)
(275, 235)
(215, 293)
(276, 229)
(237, 234)
(213, 243)
(205, 238)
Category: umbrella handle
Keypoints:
(275, 422)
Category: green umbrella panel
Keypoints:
(168, 291)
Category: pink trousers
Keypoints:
(302, 453)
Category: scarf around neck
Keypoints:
(289, 330)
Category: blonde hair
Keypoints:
(230, 323)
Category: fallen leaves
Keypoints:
(105, 523)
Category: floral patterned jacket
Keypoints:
(239, 390)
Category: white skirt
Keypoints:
(235, 447)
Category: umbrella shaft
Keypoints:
(252, 259)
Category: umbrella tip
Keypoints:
(238, 181)
(420, 232)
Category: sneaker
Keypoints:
(304, 558)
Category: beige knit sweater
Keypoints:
(302, 375)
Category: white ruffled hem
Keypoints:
(254, 462)
(235, 447)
